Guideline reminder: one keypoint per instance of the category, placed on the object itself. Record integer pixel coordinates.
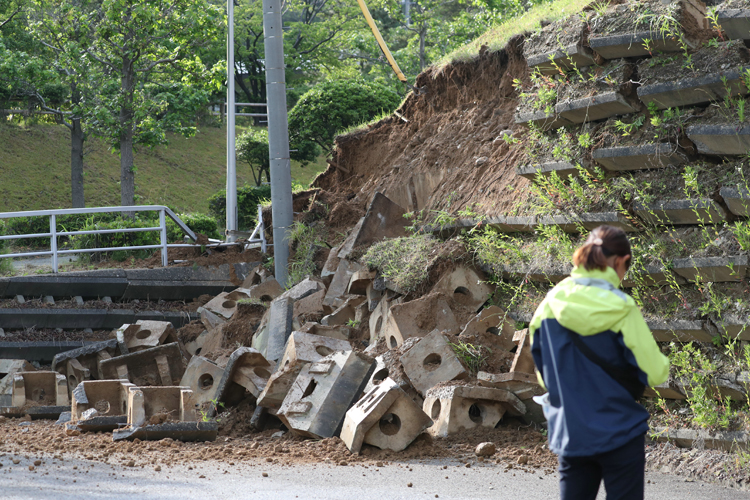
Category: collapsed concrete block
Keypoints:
(373, 296)
(301, 350)
(41, 394)
(266, 291)
(336, 294)
(246, 374)
(99, 405)
(523, 361)
(256, 276)
(162, 365)
(360, 281)
(492, 320)
(345, 314)
(385, 417)
(384, 219)
(332, 264)
(323, 392)
(417, 318)
(303, 289)
(523, 385)
(210, 320)
(82, 364)
(379, 317)
(275, 328)
(312, 305)
(466, 286)
(160, 412)
(401, 424)
(195, 347)
(145, 334)
(457, 408)
(340, 332)
(202, 377)
(348, 245)
(7, 368)
(432, 361)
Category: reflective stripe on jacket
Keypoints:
(588, 412)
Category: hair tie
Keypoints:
(598, 242)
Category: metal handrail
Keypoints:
(53, 233)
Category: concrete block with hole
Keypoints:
(345, 313)
(523, 360)
(301, 350)
(266, 291)
(162, 365)
(419, 317)
(373, 296)
(495, 321)
(432, 361)
(385, 417)
(256, 276)
(41, 394)
(99, 405)
(210, 320)
(82, 364)
(312, 305)
(202, 376)
(159, 412)
(146, 334)
(457, 408)
(336, 293)
(323, 392)
(275, 328)
(466, 286)
(379, 317)
(339, 332)
(523, 385)
(224, 305)
(246, 375)
(388, 365)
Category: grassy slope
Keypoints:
(35, 170)
(496, 37)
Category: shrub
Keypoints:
(331, 107)
(118, 239)
(252, 148)
(199, 223)
(248, 199)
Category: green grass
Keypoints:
(496, 37)
(35, 170)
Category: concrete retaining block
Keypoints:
(40, 394)
(523, 385)
(401, 424)
(735, 23)
(720, 140)
(561, 168)
(157, 366)
(323, 392)
(457, 408)
(598, 107)
(680, 331)
(146, 334)
(713, 269)
(542, 120)
(202, 376)
(651, 275)
(523, 362)
(336, 292)
(733, 326)
(666, 390)
(99, 405)
(78, 319)
(246, 375)
(82, 364)
(680, 212)
(274, 329)
(631, 44)
(466, 286)
(513, 224)
(589, 221)
(691, 91)
(568, 58)
(730, 441)
(367, 412)
(646, 156)
(432, 361)
(492, 320)
(417, 318)
(737, 200)
(180, 431)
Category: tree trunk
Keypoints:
(127, 173)
(76, 163)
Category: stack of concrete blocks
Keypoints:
(40, 394)
(162, 365)
(82, 364)
(245, 376)
(7, 368)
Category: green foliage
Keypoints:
(248, 199)
(305, 242)
(403, 261)
(332, 106)
(475, 357)
(199, 223)
(118, 239)
(252, 148)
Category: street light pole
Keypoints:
(231, 154)
(278, 138)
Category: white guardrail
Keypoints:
(53, 233)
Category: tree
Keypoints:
(331, 107)
(152, 80)
(252, 148)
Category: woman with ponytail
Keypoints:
(595, 355)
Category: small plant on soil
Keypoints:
(305, 242)
(474, 357)
(402, 260)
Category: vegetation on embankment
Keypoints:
(35, 170)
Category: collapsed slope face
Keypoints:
(447, 151)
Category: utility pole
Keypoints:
(231, 153)
(407, 12)
(278, 138)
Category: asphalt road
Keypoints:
(436, 479)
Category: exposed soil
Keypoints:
(616, 76)
(556, 36)
(53, 335)
(135, 305)
(647, 15)
(191, 331)
(727, 56)
(239, 330)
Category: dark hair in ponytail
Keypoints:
(603, 242)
